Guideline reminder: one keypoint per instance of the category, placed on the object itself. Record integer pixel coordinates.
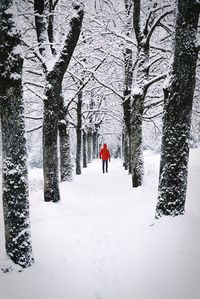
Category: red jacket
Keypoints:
(104, 153)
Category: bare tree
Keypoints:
(15, 185)
(178, 99)
(143, 81)
(53, 89)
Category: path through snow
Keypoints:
(99, 241)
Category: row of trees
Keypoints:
(74, 65)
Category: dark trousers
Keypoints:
(105, 165)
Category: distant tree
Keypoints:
(79, 133)
(178, 99)
(144, 79)
(128, 80)
(15, 185)
(84, 149)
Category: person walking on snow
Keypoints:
(105, 156)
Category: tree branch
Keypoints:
(70, 41)
(83, 84)
(34, 129)
(154, 80)
(136, 20)
(157, 21)
(108, 87)
(150, 14)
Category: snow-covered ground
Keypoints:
(102, 242)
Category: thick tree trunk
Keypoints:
(137, 108)
(78, 134)
(65, 153)
(15, 182)
(177, 113)
(54, 79)
(126, 149)
(84, 149)
(137, 167)
(50, 142)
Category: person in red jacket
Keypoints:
(105, 156)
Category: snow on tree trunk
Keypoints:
(50, 141)
(137, 108)
(94, 144)
(136, 142)
(126, 150)
(84, 149)
(78, 134)
(89, 145)
(15, 182)
(177, 113)
(128, 81)
(65, 152)
(54, 76)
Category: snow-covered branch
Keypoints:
(152, 116)
(84, 83)
(110, 31)
(71, 40)
(33, 118)
(108, 87)
(33, 84)
(153, 61)
(35, 93)
(154, 80)
(153, 10)
(34, 129)
(155, 24)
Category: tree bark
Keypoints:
(178, 98)
(84, 149)
(137, 165)
(137, 108)
(140, 88)
(94, 144)
(78, 134)
(54, 79)
(50, 142)
(89, 145)
(128, 80)
(126, 149)
(65, 152)
(15, 182)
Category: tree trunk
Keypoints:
(89, 145)
(65, 153)
(143, 36)
(128, 72)
(84, 149)
(50, 142)
(15, 182)
(54, 79)
(137, 108)
(136, 143)
(126, 149)
(94, 144)
(78, 134)
(177, 113)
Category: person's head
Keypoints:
(104, 145)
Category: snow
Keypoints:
(137, 91)
(102, 241)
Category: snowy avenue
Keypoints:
(99, 149)
(102, 242)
